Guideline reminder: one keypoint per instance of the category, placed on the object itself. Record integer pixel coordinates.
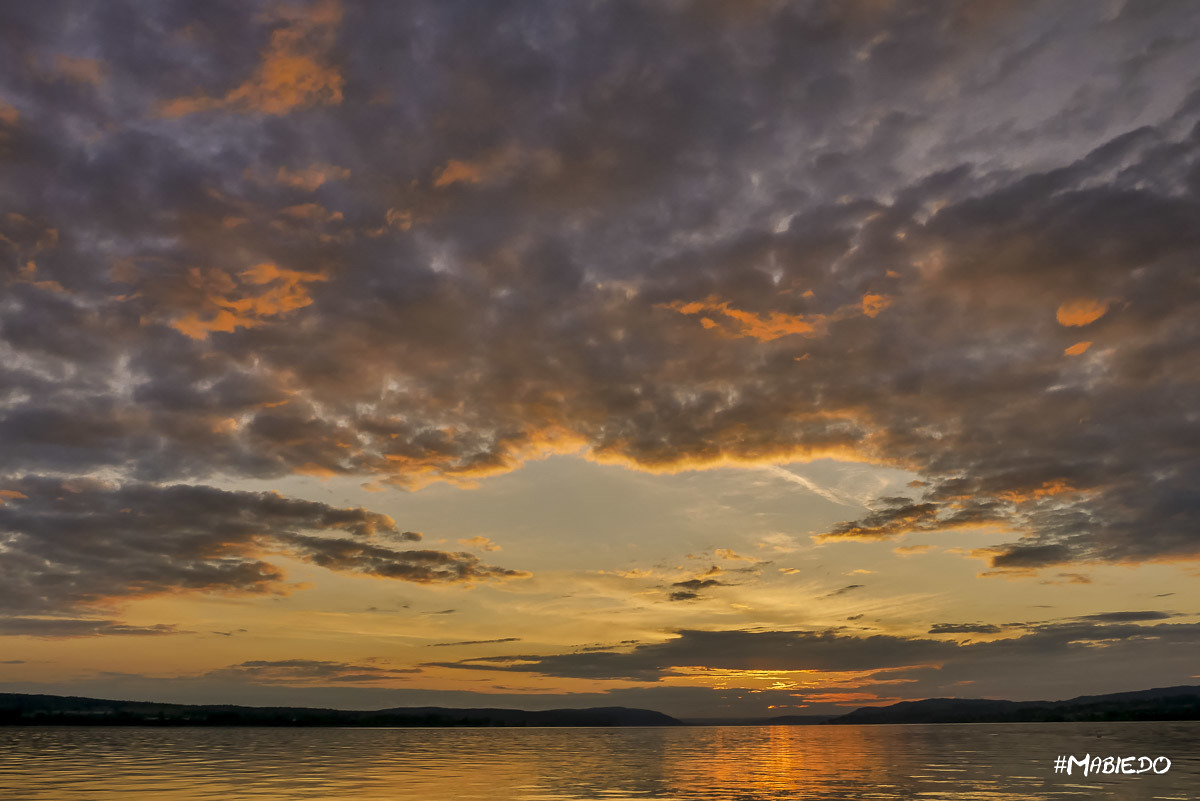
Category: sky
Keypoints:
(719, 357)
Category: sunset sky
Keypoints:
(720, 357)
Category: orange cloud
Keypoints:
(311, 177)
(819, 682)
(625, 452)
(285, 291)
(1081, 311)
(764, 328)
(399, 218)
(730, 554)
(500, 163)
(80, 70)
(293, 72)
(1046, 490)
(315, 470)
(311, 212)
(909, 550)
(1077, 348)
(850, 699)
(27, 274)
(458, 172)
(482, 543)
(873, 304)
(8, 114)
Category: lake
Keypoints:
(968, 761)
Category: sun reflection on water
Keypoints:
(977, 763)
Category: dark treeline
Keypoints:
(43, 710)
(1167, 703)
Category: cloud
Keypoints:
(294, 71)
(698, 584)
(763, 327)
(311, 177)
(1035, 660)
(810, 485)
(873, 304)
(1127, 617)
(881, 247)
(482, 543)
(421, 566)
(901, 516)
(965, 628)
(732, 555)
(67, 627)
(226, 303)
(307, 671)
(1080, 312)
(82, 70)
(728, 650)
(76, 544)
(690, 589)
(1077, 349)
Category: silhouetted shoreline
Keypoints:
(19, 709)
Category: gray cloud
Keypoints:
(1044, 658)
(733, 650)
(1128, 617)
(671, 234)
(965, 628)
(71, 544)
(66, 627)
(304, 671)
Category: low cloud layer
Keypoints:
(78, 544)
(1020, 661)
(307, 671)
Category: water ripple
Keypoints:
(884, 763)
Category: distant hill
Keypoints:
(778, 720)
(1165, 703)
(21, 709)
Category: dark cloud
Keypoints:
(965, 628)
(1127, 617)
(306, 671)
(66, 627)
(473, 642)
(699, 584)
(1054, 660)
(1039, 658)
(691, 589)
(731, 650)
(75, 543)
(664, 234)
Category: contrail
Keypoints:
(828, 495)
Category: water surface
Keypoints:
(981, 761)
